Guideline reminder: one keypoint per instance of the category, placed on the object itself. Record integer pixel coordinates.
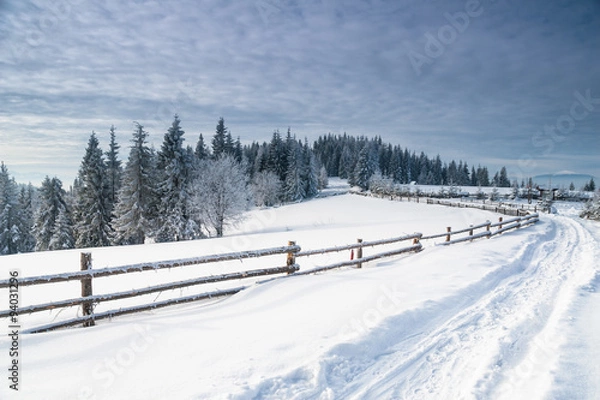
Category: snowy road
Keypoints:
(502, 338)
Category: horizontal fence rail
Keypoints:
(134, 309)
(292, 252)
(126, 269)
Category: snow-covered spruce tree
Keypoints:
(366, 166)
(277, 155)
(92, 209)
(63, 237)
(310, 173)
(113, 169)
(174, 219)
(137, 198)
(201, 152)
(294, 186)
(9, 224)
(346, 163)
(221, 194)
(26, 219)
(266, 189)
(591, 209)
(222, 143)
(52, 204)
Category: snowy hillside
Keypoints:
(511, 317)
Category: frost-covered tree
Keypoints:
(323, 178)
(51, 230)
(221, 193)
(113, 169)
(136, 209)
(494, 194)
(10, 234)
(266, 189)
(174, 220)
(93, 210)
(592, 208)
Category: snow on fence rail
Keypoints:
(88, 300)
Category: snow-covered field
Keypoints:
(515, 316)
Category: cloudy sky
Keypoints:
(492, 82)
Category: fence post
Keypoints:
(448, 229)
(359, 253)
(291, 256)
(487, 228)
(471, 230)
(500, 220)
(87, 307)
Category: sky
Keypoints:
(493, 82)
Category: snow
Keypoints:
(510, 317)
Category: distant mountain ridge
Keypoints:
(563, 180)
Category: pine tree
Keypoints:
(277, 155)
(9, 224)
(294, 186)
(26, 219)
(48, 231)
(503, 180)
(221, 142)
(62, 238)
(201, 151)
(138, 200)
(366, 166)
(175, 173)
(113, 169)
(92, 204)
(310, 173)
(346, 164)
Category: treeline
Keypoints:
(357, 159)
(176, 193)
(183, 192)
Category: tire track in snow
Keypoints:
(491, 340)
(497, 347)
(340, 370)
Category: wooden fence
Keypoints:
(292, 252)
(497, 207)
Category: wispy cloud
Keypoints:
(316, 66)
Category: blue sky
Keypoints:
(492, 82)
